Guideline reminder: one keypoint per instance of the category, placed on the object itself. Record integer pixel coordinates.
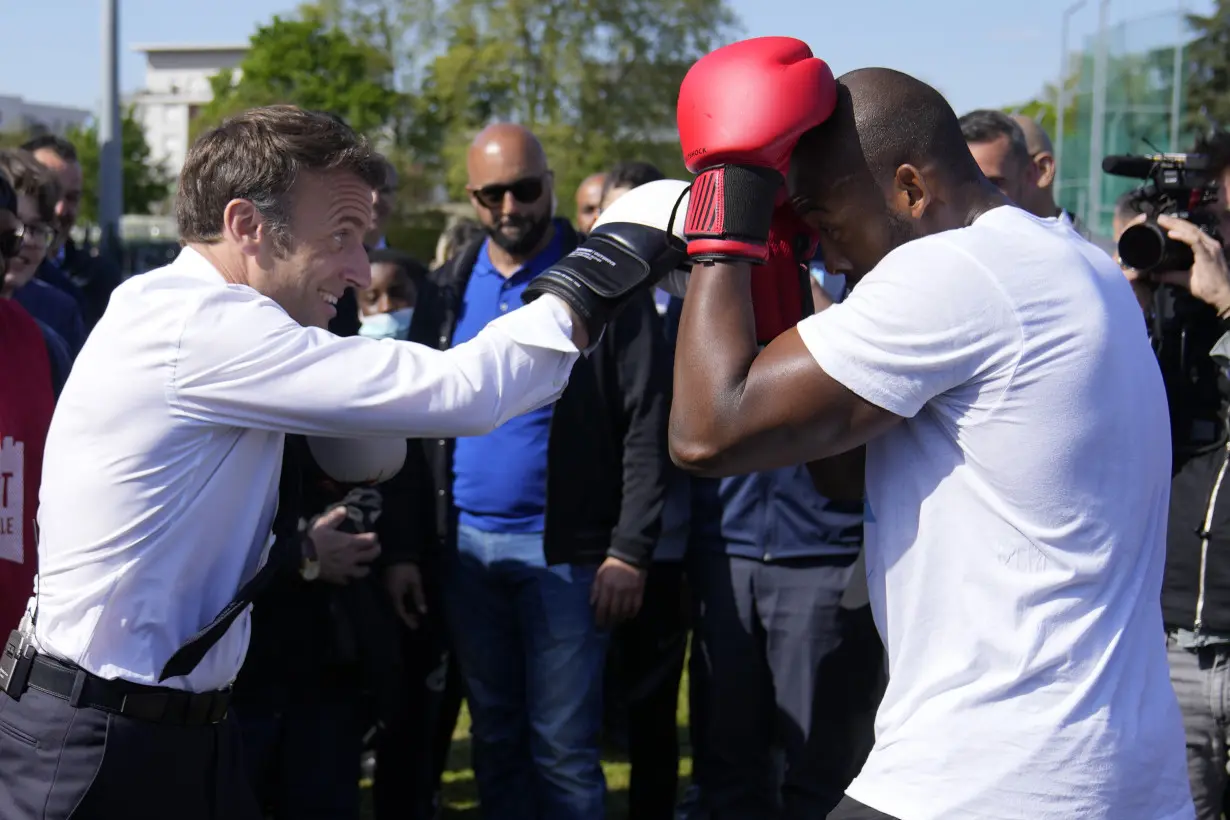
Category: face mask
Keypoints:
(395, 325)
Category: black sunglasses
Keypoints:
(523, 190)
(10, 241)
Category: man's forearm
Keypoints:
(713, 355)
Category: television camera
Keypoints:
(1178, 185)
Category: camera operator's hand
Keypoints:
(1209, 278)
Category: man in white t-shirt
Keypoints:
(1017, 470)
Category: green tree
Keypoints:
(596, 80)
(146, 183)
(310, 63)
(13, 139)
(1045, 108)
(1139, 94)
(1208, 57)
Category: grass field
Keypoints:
(460, 793)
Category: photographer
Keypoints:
(1188, 313)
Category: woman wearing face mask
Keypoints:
(386, 306)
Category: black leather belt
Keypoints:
(149, 703)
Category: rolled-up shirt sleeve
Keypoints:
(242, 361)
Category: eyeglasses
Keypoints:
(40, 234)
(523, 190)
(11, 241)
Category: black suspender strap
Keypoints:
(285, 551)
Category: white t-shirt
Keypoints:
(1015, 530)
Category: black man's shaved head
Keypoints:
(885, 119)
(882, 170)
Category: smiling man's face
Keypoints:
(329, 215)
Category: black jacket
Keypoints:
(94, 277)
(606, 454)
(1196, 587)
(312, 638)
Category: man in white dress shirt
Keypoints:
(162, 463)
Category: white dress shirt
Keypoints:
(160, 476)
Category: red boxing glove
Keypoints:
(741, 111)
(781, 289)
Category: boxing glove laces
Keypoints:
(618, 259)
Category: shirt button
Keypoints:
(441, 442)
(503, 307)
(440, 493)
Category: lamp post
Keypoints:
(1064, 70)
(110, 164)
(1097, 135)
(1176, 91)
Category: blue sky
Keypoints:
(979, 53)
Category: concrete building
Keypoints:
(17, 114)
(176, 86)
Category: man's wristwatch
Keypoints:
(309, 568)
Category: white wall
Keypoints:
(165, 122)
(176, 83)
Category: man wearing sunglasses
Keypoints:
(544, 528)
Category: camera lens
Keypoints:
(1147, 248)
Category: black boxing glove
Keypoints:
(629, 250)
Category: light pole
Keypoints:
(1097, 133)
(1176, 91)
(110, 159)
(1064, 70)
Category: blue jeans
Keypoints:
(532, 661)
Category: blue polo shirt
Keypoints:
(500, 479)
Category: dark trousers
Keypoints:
(790, 683)
(850, 809)
(57, 761)
(302, 755)
(647, 656)
(411, 754)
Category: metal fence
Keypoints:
(1128, 98)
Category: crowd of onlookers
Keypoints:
(552, 574)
